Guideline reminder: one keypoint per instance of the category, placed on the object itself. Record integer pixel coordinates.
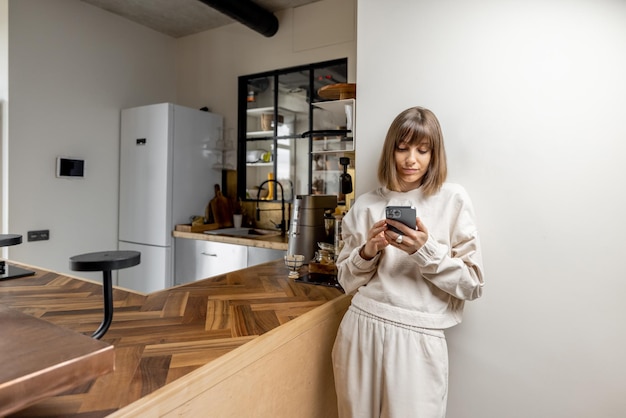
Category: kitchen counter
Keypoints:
(29, 375)
(178, 347)
(276, 242)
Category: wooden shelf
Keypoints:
(338, 91)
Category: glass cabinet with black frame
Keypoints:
(290, 133)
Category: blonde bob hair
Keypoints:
(411, 127)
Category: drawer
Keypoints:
(198, 259)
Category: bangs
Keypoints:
(412, 133)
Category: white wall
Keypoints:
(72, 67)
(531, 97)
(4, 97)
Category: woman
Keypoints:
(390, 357)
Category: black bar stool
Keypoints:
(105, 261)
(8, 271)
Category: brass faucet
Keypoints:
(283, 224)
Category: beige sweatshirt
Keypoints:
(425, 289)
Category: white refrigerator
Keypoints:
(166, 176)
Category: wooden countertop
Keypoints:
(163, 336)
(41, 359)
(274, 242)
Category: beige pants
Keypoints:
(389, 370)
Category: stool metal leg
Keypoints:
(107, 292)
(105, 261)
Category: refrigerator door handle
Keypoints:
(209, 254)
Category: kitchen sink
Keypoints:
(244, 232)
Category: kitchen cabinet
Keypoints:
(287, 132)
(199, 259)
(263, 255)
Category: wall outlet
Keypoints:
(41, 235)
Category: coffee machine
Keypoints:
(308, 226)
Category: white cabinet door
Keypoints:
(153, 273)
(263, 255)
(198, 259)
(145, 203)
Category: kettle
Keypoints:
(308, 225)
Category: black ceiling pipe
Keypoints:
(250, 14)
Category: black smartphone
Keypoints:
(404, 214)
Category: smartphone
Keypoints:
(404, 214)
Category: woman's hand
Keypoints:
(412, 239)
(376, 241)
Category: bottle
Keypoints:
(251, 99)
(338, 239)
(270, 186)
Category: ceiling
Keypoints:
(178, 18)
